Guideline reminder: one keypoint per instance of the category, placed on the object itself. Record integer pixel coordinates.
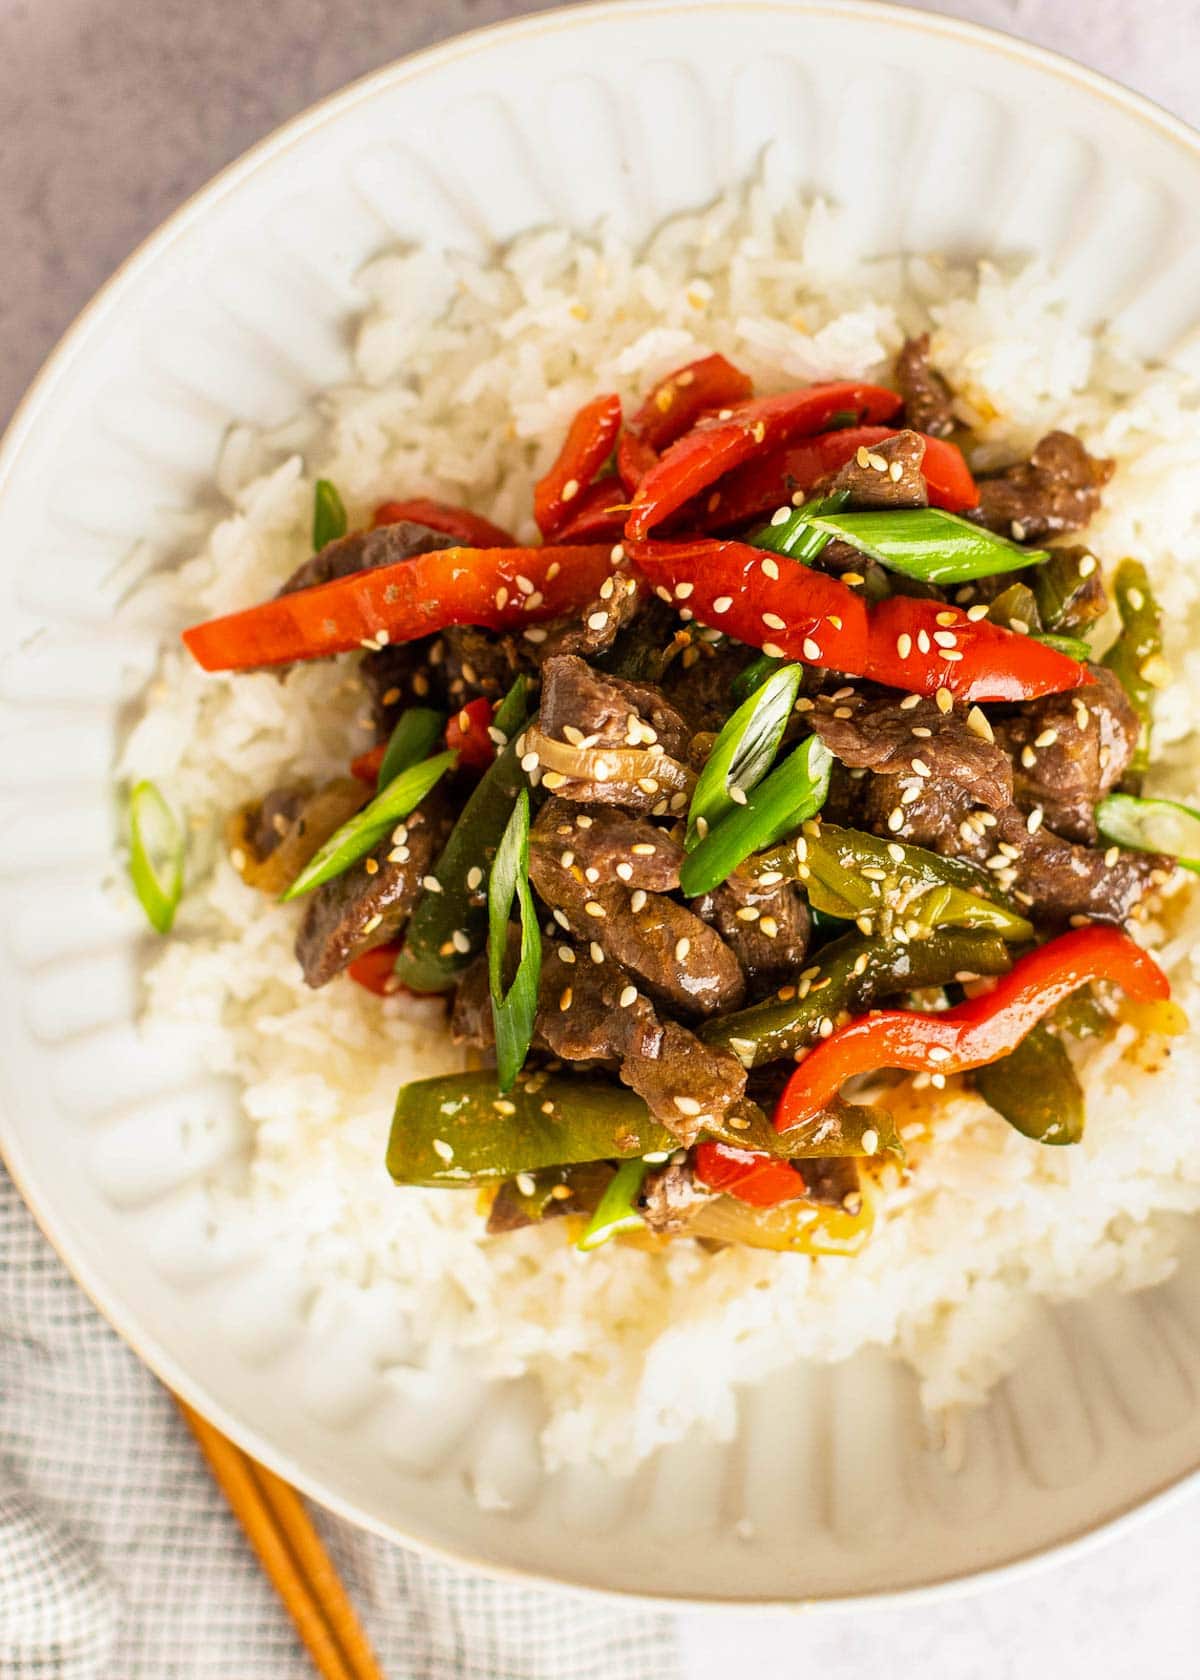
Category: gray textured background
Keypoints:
(112, 112)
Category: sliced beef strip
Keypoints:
(363, 551)
(1057, 489)
(609, 845)
(670, 1195)
(877, 733)
(1052, 877)
(633, 740)
(888, 475)
(397, 677)
(1088, 738)
(597, 624)
(474, 662)
(679, 959)
(271, 841)
(366, 906)
(699, 688)
(928, 404)
(581, 1017)
(766, 926)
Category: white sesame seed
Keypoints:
(1111, 856)
(638, 901)
(977, 612)
(1028, 757)
(923, 640)
(904, 645)
(780, 516)
(895, 820)
(562, 921)
(371, 923)
(596, 952)
(738, 795)
(565, 999)
(625, 871)
(597, 620)
(978, 724)
(460, 942)
(747, 913)
(946, 618)
(809, 649)
(474, 878)
(918, 732)
(1034, 820)
(1087, 565)
(592, 908)
(921, 768)
(443, 1150)
(431, 883)
(870, 1141)
(687, 1105)
(607, 587)
(769, 566)
(683, 590)
(570, 489)
(1046, 739)
(774, 651)
(774, 622)
(945, 700)
(909, 701)
(722, 603)
(555, 779)
(945, 638)
(951, 654)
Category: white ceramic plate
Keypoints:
(936, 135)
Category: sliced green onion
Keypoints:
(155, 855)
(1073, 646)
(410, 741)
(743, 752)
(367, 828)
(1152, 825)
(513, 1010)
(329, 515)
(754, 676)
(617, 1210)
(796, 536)
(924, 543)
(793, 792)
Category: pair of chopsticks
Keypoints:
(299, 1568)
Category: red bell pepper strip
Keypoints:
(777, 604)
(673, 407)
(497, 588)
(588, 444)
(597, 514)
(368, 765)
(906, 649)
(715, 446)
(465, 527)
(768, 481)
(758, 1179)
(467, 734)
(974, 1033)
(376, 970)
(802, 613)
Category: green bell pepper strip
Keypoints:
(1134, 656)
(618, 1207)
(742, 753)
(793, 792)
(851, 975)
(1069, 592)
(1152, 825)
(1016, 607)
(365, 830)
(458, 1129)
(431, 960)
(329, 515)
(925, 543)
(1036, 1089)
(1073, 646)
(849, 874)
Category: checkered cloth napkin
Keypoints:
(119, 1559)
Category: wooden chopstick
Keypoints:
(289, 1548)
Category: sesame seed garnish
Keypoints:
(1111, 856)
(780, 517)
(738, 795)
(564, 1000)
(769, 878)
(747, 913)
(920, 733)
(844, 712)
(442, 1150)
(872, 871)
(853, 578)
(945, 638)
(921, 768)
(870, 1141)
(628, 996)
(773, 650)
(606, 588)
(809, 649)
(529, 762)
(501, 603)
(895, 820)
(1028, 758)
(593, 908)
(687, 1105)
(923, 641)
(769, 566)
(555, 778)
(371, 866)
(938, 1081)
(904, 645)
(625, 871)
(1046, 739)
(977, 612)
(774, 622)
(826, 1027)
(862, 456)
(535, 635)
(938, 1053)
(597, 620)
(460, 942)
(945, 700)
(910, 794)
(638, 901)
(431, 883)
(683, 590)
(562, 921)
(596, 952)
(566, 955)
(909, 701)
(978, 724)
(570, 489)
(648, 784)
(1034, 820)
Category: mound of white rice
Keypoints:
(467, 375)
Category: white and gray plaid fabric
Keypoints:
(119, 1559)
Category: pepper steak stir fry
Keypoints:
(784, 760)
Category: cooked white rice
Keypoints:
(467, 375)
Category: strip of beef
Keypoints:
(609, 845)
(882, 734)
(928, 404)
(1068, 750)
(670, 1195)
(370, 902)
(1057, 489)
(1049, 875)
(888, 475)
(602, 740)
(363, 551)
(397, 677)
(589, 1011)
(764, 921)
(478, 662)
(596, 626)
(679, 959)
(700, 679)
